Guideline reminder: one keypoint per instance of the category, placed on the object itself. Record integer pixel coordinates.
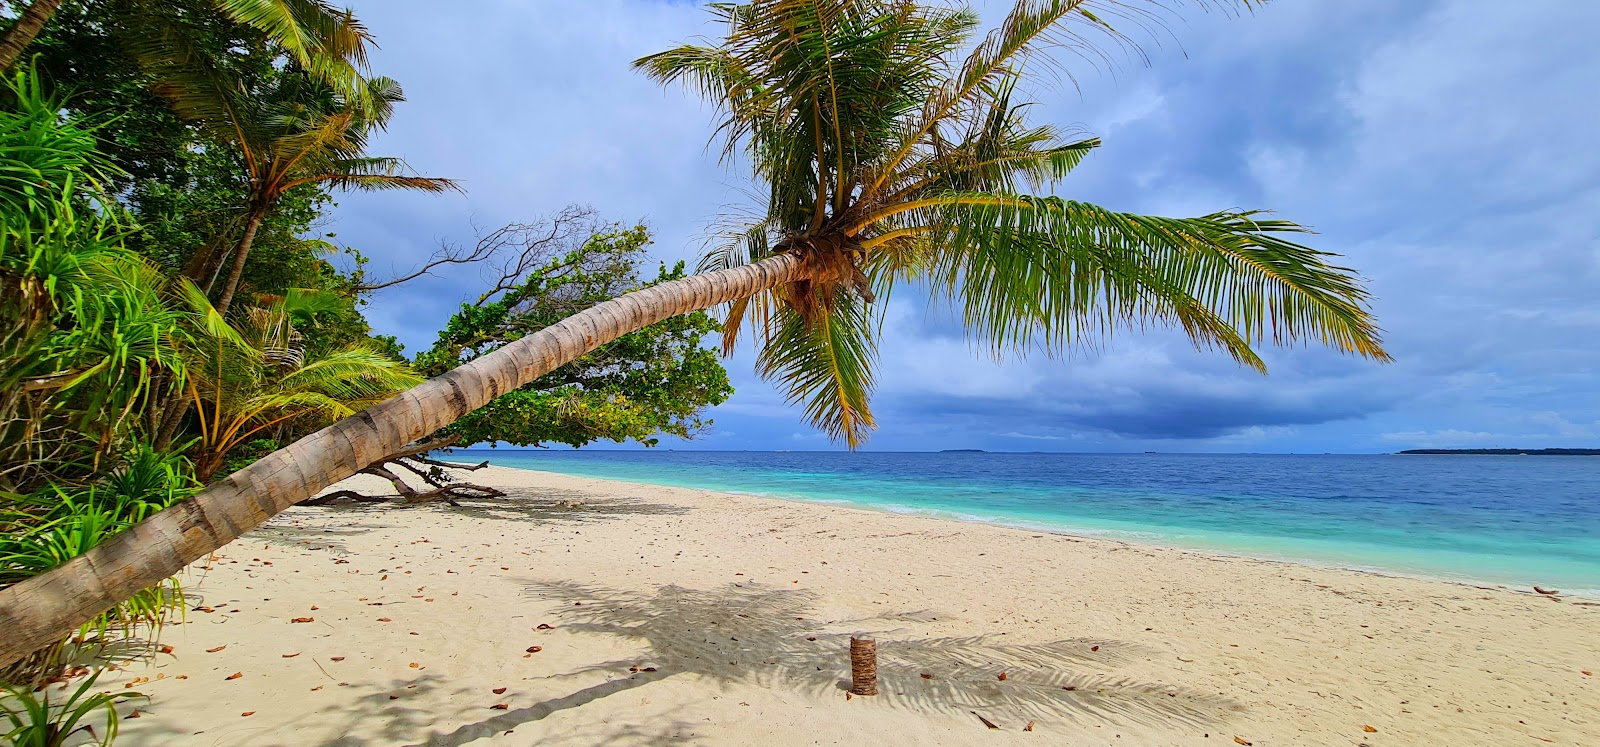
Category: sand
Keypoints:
(679, 615)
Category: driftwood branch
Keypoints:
(414, 459)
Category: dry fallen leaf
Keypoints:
(414, 665)
(234, 676)
(499, 690)
(1243, 741)
(986, 722)
(183, 676)
(1094, 648)
(291, 656)
(314, 689)
(545, 626)
(1370, 729)
(336, 658)
(248, 713)
(500, 706)
(1002, 677)
(313, 606)
(927, 676)
(165, 649)
(1029, 727)
(214, 650)
(535, 649)
(135, 714)
(384, 620)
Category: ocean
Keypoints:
(1497, 519)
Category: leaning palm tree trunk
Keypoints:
(22, 33)
(38, 612)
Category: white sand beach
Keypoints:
(579, 611)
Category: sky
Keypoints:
(1445, 148)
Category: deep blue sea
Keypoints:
(1500, 519)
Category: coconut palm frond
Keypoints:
(892, 151)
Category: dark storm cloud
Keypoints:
(1445, 148)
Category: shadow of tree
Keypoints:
(571, 506)
(518, 504)
(757, 635)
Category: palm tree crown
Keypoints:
(890, 156)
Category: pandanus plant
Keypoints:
(889, 155)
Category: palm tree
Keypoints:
(256, 375)
(301, 131)
(888, 157)
(319, 37)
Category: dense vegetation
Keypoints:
(169, 313)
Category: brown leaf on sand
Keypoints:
(1370, 729)
(535, 649)
(499, 691)
(545, 626)
(415, 665)
(648, 669)
(1002, 677)
(1547, 592)
(214, 650)
(303, 620)
(313, 606)
(500, 706)
(336, 658)
(1094, 648)
(986, 722)
(291, 656)
(384, 620)
(314, 689)
(1029, 727)
(165, 649)
(234, 676)
(135, 714)
(248, 713)
(1588, 673)
(1243, 741)
(927, 676)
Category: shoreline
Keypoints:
(582, 611)
(1086, 534)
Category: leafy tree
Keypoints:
(656, 380)
(889, 155)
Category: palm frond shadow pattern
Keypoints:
(764, 636)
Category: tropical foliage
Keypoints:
(168, 312)
(255, 377)
(892, 148)
(656, 380)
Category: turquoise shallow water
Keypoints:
(1511, 520)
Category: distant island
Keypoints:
(1508, 452)
(962, 451)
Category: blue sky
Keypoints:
(1446, 148)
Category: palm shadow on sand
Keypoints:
(758, 635)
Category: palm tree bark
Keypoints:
(40, 611)
(240, 254)
(22, 33)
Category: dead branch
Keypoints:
(509, 252)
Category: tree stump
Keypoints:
(863, 666)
